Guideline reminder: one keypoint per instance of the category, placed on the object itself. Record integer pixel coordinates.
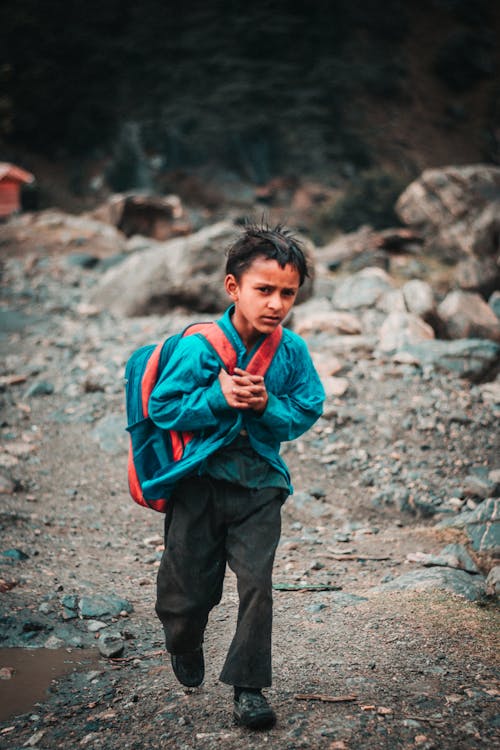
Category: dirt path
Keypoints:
(419, 667)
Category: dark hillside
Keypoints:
(323, 89)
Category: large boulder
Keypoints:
(362, 289)
(185, 271)
(457, 210)
(401, 328)
(465, 358)
(467, 315)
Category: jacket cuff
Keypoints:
(216, 399)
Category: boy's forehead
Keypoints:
(268, 267)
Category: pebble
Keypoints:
(42, 388)
(111, 645)
(93, 626)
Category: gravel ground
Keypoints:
(357, 665)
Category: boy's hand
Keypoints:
(243, 390)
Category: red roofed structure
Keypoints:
(11, 179)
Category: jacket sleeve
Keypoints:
(188, 395)
(289, 414)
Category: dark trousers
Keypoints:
(213, 522)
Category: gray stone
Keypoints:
(493, 582)
(7, 485)
(466, 358)
(53, 642)
(185, 271)
(456, 208)
(15, 554)
(93, 626)
(419, 298)
(477, 274)
(110, 433)
(457, 581)
(342, 599)
(477, 486)
(494, 303)
(400, 329)
(362, 289)
(465, 561)
(481, 524)
(111, 645)
(102, 606)
(467, 315)
(42, 388)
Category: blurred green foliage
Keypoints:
(250, 85)
(263, 87)
(370, 199)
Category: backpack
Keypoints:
(151, 448)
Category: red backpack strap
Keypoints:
(263, 357)
(218, 339)
(150, 377)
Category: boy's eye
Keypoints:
(289, 292)
(265, 289)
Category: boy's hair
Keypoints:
(277, 244)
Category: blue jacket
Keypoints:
(188, 397)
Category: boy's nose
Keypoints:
(275, 302)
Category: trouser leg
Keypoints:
(251, 543)
(191, 572)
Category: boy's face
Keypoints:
(263, 297)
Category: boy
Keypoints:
(228, 509)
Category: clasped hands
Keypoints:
(243, 390)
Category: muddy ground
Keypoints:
(356, 665)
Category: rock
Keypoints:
(326, 364)
(494, 303)
(185, 271)
(42, 388)
(459, 552)
(110, 433)
(367, 247)
(481, 524)
(331, 321)
(400, 329)
(335, 387)
(419, 299)
(493, 582)
(467, 315)
(15, 554)
(53, 642)
(111, 645)
(457, 209)
(341, 599)
(480, 275)
(101, 606)
(160, 217)
(457, 581)
(60, 231)
(362, 289)
(478, 486)
(93, 626)
(490, 392)
(7, 485)
(465, 358)
(346, 247)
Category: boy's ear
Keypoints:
(231, 286)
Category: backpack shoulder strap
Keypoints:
(216, 337)
(263, 357)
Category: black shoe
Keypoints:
(189, 668)
(252, 710)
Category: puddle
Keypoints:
(31, 673)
